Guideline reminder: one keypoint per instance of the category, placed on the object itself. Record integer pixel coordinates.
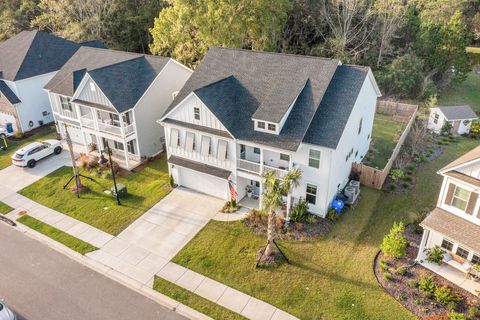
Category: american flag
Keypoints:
(233, 192)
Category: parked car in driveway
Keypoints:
(30, 154)
(5, 313)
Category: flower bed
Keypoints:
(401, 277)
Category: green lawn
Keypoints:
(97, 208)
(57, 235)
(194, 301)
(386, 132)
(5, 208)
(5, 161)
(332, 277)
(467, 92)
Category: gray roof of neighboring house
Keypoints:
(241, 85)
(94, 44)
(32, 53)
(458, 112)
(454, 227)
(201, 167)
(122, 76)
(8, 93)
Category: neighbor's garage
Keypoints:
(200, 177)
(74, 131)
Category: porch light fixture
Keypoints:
(102, 161)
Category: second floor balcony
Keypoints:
(107, 122)
(258, 160)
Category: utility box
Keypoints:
(122, 190)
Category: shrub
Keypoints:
(405, 185)
(435, 255)
(300, 211)
(473, 312)
(392, 187)
(446, 129)
(332, 215)
(387, 276)
(457, 316)
(401, 297)
(427, 285)
(396, 174)
(230, 206)
(383, 266)
(171, 181)
(401, 271)
(411, 167)
(412, 283)
(18, 134)
(407, 178)
(394, 243)
(311, 219)
(419, 301)
(444, 295)
(92, 162)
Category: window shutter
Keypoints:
(451, 190)
(471, 203)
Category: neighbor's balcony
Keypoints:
(249, 166)
(280, 171)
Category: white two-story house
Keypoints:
(243, 112)
(454, 225)
(113, 98)
(28, 61)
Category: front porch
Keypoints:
(455, 276)
(117, 156)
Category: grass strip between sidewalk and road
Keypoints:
(64, 238)
(194, 301)
(5, 208)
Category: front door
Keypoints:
(255, 187)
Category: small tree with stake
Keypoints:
(272, 199)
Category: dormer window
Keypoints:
(196, 113)
(261, 125)
(272, 127)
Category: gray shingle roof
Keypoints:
(122, 76)
(453, 227)
(458, 112)
(32, 53)
(8, 93)
(94, 44)
(241, 85)
(337, 104)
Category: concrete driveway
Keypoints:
(16, 178)
(147, 245)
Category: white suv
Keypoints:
(30, 154)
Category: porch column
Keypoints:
(94, 118)
(261, 161)
(423, 243)
(122, 130)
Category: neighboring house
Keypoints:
(243, 112)
(454, 224)
(27, 62)
(114, 97)
(459, 117)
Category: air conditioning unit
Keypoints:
(355, 184)
(351, 194)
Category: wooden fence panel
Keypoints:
(373, 177)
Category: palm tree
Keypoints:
(272, 198)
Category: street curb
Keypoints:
(112, 274)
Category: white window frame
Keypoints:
(454, 197)
(272, 127)
(261, 125)
(196, 113)
(309, 185)
(310, 158)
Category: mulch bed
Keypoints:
(295, 231)
(411, 297)
(30, 133)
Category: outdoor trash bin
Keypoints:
(122, 190)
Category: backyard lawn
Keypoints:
(386, 132)
(95, 207)
(332, 277)
(466, 92)
(45, 133)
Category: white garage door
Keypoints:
(75, 134)
(203, 183)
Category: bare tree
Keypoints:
(389, 13)
(351, 24)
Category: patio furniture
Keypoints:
(458, 263)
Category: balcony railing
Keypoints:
(67, 113)
(280, 172)
(248, 166)
(87, 121)
(130, 129)
(109, 129)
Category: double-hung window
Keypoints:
(311, 193)
(284, 157)
(66, 104)
(460, 198)
(461, 252)
(314, 158)
(261, 125)
(196, 113)
(447, 245)
(272, 127)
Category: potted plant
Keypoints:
(92, 147)
(249, 190)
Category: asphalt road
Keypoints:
(39, 283)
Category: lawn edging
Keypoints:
(60, 236)
(114, 275)
(194, 300)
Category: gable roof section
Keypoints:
(467, 158)
(8, 93)
(32, 53)
(337, 104)
(122, 76)
(458, 112)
